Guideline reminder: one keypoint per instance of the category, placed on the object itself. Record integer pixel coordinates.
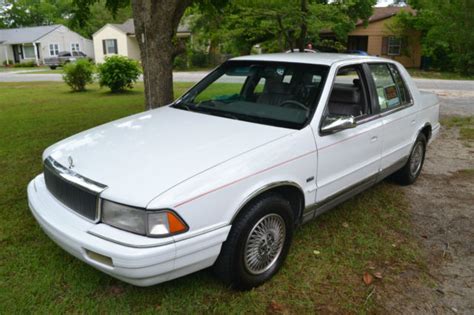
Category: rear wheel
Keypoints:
(257, 244)
(412, 169)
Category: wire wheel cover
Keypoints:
(264, 243)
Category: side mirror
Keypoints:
(333, 124)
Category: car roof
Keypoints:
(317, 58)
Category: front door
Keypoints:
(17, 53)
(350, 158)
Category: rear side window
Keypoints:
(386, 88)
(403, 92)
(391, 90)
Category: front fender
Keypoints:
(213, 198)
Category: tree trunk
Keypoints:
(303, 26)
(156, 23)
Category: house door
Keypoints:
(357, 43)
(17, 53)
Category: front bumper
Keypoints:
(138, 264)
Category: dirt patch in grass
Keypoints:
(442, 208)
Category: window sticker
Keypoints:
(391, 96)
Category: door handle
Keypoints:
(413, 122)
(374, 138)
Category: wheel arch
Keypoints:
(426, 130)
(287, 189)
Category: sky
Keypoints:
(383, 3)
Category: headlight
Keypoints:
(159, 223)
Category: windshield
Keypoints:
(277, 94)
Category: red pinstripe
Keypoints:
(282, 163)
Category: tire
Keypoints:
(270, 211)
(53, 67)
(408, 174)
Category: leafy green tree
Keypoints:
(98, 16)
(20, 13)
(447, 32)
(279, 24)
(156, 23)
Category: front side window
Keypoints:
(53, 49)
(75, 47)
(110, 46)
(277, 94)
(394, 46)
(387, 90)
(348, 96)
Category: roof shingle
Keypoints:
(25, 34)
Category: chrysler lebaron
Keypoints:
(223, 176)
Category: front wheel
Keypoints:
(412, 169)
(257, 244)
(53, 67)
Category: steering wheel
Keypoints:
(293, 104)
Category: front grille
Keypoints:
(77, 199)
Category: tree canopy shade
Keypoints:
(280, 24)
(22, 13)
(447, 32)
(240, 23)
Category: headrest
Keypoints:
(343, 94)
(276, 87)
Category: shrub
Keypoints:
(180, 62)
(118, 73)
(9, 63)
(78, 74)
(199, 59)
(27, 64)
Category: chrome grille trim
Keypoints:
(74, 178)
(84, 189)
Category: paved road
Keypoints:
(424, 84)
(457, 97)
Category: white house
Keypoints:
(119, 39)
(36, 43)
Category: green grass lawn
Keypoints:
(45, 70)
(370, 233)
(12, 69)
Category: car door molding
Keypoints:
(318, 208)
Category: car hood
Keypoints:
(142, 156)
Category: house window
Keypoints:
(53, 49)
(110, 46)
(29, 51)
(75, 47)
(394, 46)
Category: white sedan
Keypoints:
(224, 175)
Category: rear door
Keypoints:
(398, 115)
(349, 159)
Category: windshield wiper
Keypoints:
(183, 105)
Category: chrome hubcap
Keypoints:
(264, 243)
(416, 158)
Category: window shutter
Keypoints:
(115, 46)
(384, 45)
(103, 47)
